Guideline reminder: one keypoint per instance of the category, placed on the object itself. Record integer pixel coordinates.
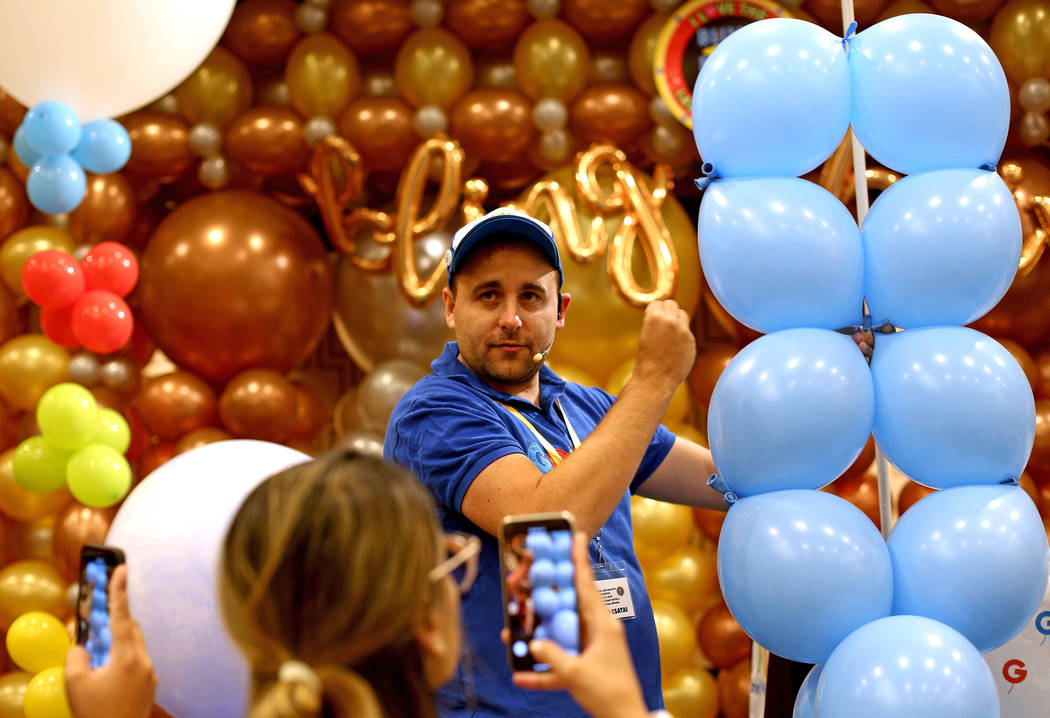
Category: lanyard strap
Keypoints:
(547, 446)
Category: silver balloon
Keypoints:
(205, 139)
(81, 251)
(310, 18)
(429, 120)
(549, 114)
(168, 104)
(362, 441)
(383, 387)
(608, 66)
(427, 13)
(1034, 95)
(275, 92)
(375, 323)
(380, 83)
(84, 369)
(499, 74)
(214, 172)
(544, 9)
(554, 146)
(119, 374)
(317, 128)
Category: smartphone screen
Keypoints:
(539, 585)
(97, 564)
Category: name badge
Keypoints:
(611, 579)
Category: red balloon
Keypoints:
(57, 325)
(52, 279)
(111, 266)
(102, 321)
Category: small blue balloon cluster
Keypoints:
(554, 588)
(99, 637)
(57, 149)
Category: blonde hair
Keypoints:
(327, 563)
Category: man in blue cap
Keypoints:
(494, 432)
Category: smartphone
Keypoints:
(97, 563)
(539, 585)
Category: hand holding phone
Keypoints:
(97, 564)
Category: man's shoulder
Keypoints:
(435, 390)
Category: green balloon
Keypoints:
(98, 475)
(39, 465)
(112, 430)
(67, 414)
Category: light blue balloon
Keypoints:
(542, 573)
(567, 598)
(792, 410)
(51, 128)
(539, 542)
(940, 248)
(974, 558)
(952, 407)
(800, 570)
(928, 94)
(772, 100)
(753, 234)
(807, 694)
(545, 601)
(564, 575)
(906, 666)
(56, 184)
(104, 147)
(565, 628)
(561, 544)
(25, 153)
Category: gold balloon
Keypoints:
(573, 374)
(322, 75)
(1020, 37)
(643, 48)
(492, 124)
(22, 245)
(160, 145)
(371, 27)
(691, 693)
(721, 638)
(217, 91)
(610, 113)
(659, 528)
(21, 504)
(380, 128)
(14, 205)
(487, 24)
(967, 10)
(601, 20)
(30, 365)
(31, 586)
(551, 60)
(12, 690)
(687, 577)
(674, 630)
(10, 320)
(262, 32)
(74, 527)
(199, 437)
(268, 140)
(676, 410)
(34, 540)
(433, 67)
(107, 212)
(171, 405)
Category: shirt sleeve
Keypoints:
(446, 445)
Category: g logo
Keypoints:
(1042, 624)
(1014, 671)
(539, 457)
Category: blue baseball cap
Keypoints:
(504, 221)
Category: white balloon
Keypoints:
(172, 529)
(105, 58)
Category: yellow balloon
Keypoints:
(659, 527)
(30, 586)
(30, 365)
(688, 431)
(674, 630)
(217, 91)
(433, 67)
(551, 60)
(1020, 37)
(22, 504)
(12, 692)
(677, 409)
(37, 641)
(46, 695)
(643, 48)
(691, 693)
(22, 245)
(687, 577)
(322, 75)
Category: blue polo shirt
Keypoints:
(446, 430)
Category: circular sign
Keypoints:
(690, 36)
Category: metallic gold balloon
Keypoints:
(160, 145)
(643, 48)
(371, 27)
(1020, 37)
(74, 527)
(30, 365)
(691, 693)
(1024, 359)
(217, 91)
(493, 125)
(380, 128)
(510, 175)
(199, 437)
(551, 60)
(674, 630)
(22, 245)
(12, 690)
(262, 32)
(34, 540)
(433, 67)
(487, 24)
(734, 690)
(259, 404)
(31, 586)
(687, 577)
(11, 324)
(903, 7)
(709, 522)
(234, 280)
(311, 412)
(610, 113)
(659, 528)
(602, 21)
(21, 504)
(14, 205)
(829, 12)
(967, 10)
(322, 75)
(1042, 363)
(268, 140)
(174, 404)
(383, 387)
(710, 362)
(153, 457)
(676, 410)
(910, 493)
(1039, 461)
(107, 212)
(721, 638)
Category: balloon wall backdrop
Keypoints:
(244, 239)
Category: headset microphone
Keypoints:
(538, 357)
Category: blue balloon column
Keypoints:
(898, 628)
(57, 149)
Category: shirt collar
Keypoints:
(449, 366)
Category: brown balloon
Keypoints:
(74, 527)
(268, 140)
(14, 205)
(259, 404)
(31, 586)
(721, 638)
(199, 437)
(234, 280)
(967, 10)
(829, 12)
(11, 113)
(262, 32)
(107, 212)
(1039, 461)
(311, 412)
(492, 124)
(33, 540)
(863, 462)
(1042, 365)
(511, 175)
(154, 457)
(380, 129)
(861, 491)
(371, 27)
(613, 113)
(174, 404)
(709, 522)
(487, 24)
(1031, 488)
(600, 20)
(734, 690)
(910, 493)
(11, 324)
(1031, 371)
(710, 362)
(160, 146)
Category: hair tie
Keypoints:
(299, 672)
